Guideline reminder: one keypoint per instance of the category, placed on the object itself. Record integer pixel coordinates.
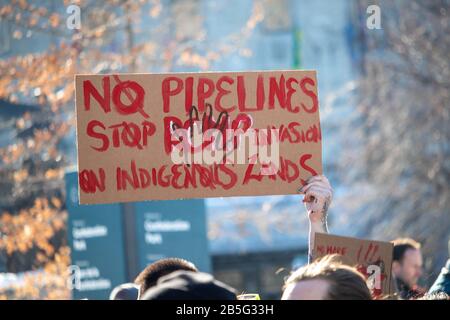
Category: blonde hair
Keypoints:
(406, 241)
(345, 282)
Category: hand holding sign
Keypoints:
(318, 195)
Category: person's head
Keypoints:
(187, 285)
(407, 261)
(126, 291)
(326, 279)
(150, 275)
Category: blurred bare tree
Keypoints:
(115, 36)
(403, 128)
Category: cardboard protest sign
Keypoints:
(196, 135)
(372, 258)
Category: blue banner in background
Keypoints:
(97, 245)
(172, 229)
(99, 248)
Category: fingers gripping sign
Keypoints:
(317, 199)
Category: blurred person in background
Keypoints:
(150, 275)
(407, 268)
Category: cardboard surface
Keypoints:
(124, 125)
(361, 254)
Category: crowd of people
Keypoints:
(326, 278)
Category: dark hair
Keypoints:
(401, 245)
(150, 275)
(345, 282)
(187, 285)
